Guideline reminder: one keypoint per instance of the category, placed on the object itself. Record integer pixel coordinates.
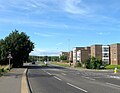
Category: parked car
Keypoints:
(33, 62)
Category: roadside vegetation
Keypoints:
(19, 45)
(64, 64)
(3, 69)
(112, 66)
(93, 63)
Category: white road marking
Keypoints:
(44, 70)
(116, 77)
(57, 78)
(77, 87)
(113, 85)
(63, 73)
(88, 78)
(91, 78)
(48, 73)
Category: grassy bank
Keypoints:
(113, 66)
(61, 64)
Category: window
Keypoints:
(106, 49)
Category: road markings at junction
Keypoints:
(77, 87)
(44, 70)
(48, 73)
(63, 74)
(57, 78)
(88, 78)
(112, 84)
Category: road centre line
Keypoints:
(57, 78)
(112, 84)
(77, 87)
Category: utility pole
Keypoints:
(69, 51)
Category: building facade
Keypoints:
(83, 55)
(96, 51)
(102, 52)
(64, 53)
(75, 49)
(109, 54)
(71, 56)
(106, 54)
(115, 54)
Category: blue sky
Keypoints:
(60, 25)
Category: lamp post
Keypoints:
(9, 57)
(69, 52)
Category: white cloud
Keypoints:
(44, 34)
(42, 52)
(103, 33)
(74, 7)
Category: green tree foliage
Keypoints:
(63, 57)
(19, 45)
(93, 63)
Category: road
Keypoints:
(55, 79)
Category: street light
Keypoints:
(9, 57)
(69, 51)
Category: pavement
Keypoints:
(11, 82)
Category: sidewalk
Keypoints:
(11, 81)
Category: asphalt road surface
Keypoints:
(55, 79)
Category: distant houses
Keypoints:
(109, 54)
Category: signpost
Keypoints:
(9, 57)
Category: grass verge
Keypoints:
(3, 69)
(61, 64)
(112, 66)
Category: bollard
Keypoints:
(115, 70)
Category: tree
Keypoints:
(93, 63)
(19, 45)
(63, 57)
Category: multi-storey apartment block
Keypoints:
(71, 55)
(101, 52)
(83, 55)
(106, 54)
(115, 54)
(64, 53)
(96, 51)
(75, 49)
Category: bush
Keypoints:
(93, 63)
(78, 64)
(67, 61)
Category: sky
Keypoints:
(60, 25)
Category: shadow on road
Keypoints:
(37, 71)
(44, 67)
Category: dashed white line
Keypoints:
(92, 79)
(77, 87)
(63, 73)
(48, 73)
(44, 70)
(113, 85)
(57, 78)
